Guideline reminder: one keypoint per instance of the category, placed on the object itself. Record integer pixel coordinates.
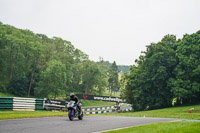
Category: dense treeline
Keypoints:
(35, 65)
(166, 74)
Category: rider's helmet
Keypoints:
(72, 95)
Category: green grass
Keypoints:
(87, 103)
(165, 127)
(173, 112)
(107, 93)
(29, 114)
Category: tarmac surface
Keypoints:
(89, 124)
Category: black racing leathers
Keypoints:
(75, 98)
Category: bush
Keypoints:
(2, 88)
(19, 87)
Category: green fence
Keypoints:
(39, 104)
(6, 103)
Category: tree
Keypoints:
(90, 75)
(75, 82)
(186, 84)
(24, 54)
(102, 80)
(18, 87)
(113, 78)
(53, 79)
(147, 86)
(123, 83)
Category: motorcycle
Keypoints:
(73, 111)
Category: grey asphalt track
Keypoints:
(89, 124)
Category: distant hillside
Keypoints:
(124, 68)
(121, 68)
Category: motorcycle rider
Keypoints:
(77, 102)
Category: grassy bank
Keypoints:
(165, 127)
(173, 112)
(87, 103)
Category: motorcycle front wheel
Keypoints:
(71, 115)
(80, 117)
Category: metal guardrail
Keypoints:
(30, 104)
(20, 104)
(23, 104)
(98, 110)
(6, 103)
(51, 105)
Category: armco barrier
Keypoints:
(20, 104)
(23, 104)
(34, 104)
(30, 104)
(6, 103)
(39, 104)
(98, 110)
(50, 104)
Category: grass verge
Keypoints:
(87, 103)
(173, 112)
(28, 114)
(165, 127)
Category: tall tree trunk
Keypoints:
(31, 81)
(11, 72)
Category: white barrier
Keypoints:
(98, 110)
(23, 104)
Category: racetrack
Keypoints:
(63, 125)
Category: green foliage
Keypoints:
(186, 83)
(91, 77)
(167, 70)
(18, 87)
(2, 88)
(103, 78)
(124, 68)
(53, 79)
(47, 66)
(123, 83)
(113, 78)
(121, 68)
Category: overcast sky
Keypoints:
(116, 30)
